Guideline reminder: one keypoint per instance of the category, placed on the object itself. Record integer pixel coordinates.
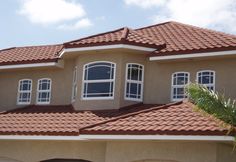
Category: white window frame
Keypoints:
(24, 91)
(74, 84)
(178, 86)
(98, 81)
(134, 81)
(49, 90)
(207, 85)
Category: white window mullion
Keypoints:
(46, 92)
(24, 95)
(98, 80)
(175, 86)
(137, 96)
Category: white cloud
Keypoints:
(145, 3)
(216, 14)
(55, 12)
(83, 23)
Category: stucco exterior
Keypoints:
(157, 79)
(61, 84)
(118, 151)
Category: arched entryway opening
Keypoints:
(155, 160)
(65, 160)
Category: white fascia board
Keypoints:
(196, 55)
(125, 46)
(20, 66)
(122, 137)
(53, 138)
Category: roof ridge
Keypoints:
(158, 24)
(30, 46)
(94, 35)
(125, 33)
(131, 114)
(203, 28)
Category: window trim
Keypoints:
(180, 86)
(50, 92)
(97, 81)
(74, 84)
(133, 81)
(214, 78)
(18, 92)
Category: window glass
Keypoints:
(206, 78)
(44, 91)
(134, 82)
(179, 81)
(24, 91)
(99, 80)
(74, 85)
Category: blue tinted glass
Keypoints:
(99, 71)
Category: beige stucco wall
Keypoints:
(61, 84)
(118, 151)
(158, 77)
(120, 58)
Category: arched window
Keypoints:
(98, 80)
(134, 82)
(179, 81)
(207, 78)
(44, 91)
(24, 91)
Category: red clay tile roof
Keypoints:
(30, 54)
(55, 120)
(170, 38)
(119, 36)
(184, 39)
(177, 119)
(174, 119)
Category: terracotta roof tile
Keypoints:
(30, 54)
(174, 119)
(182, 38)
(119, 36)
(55, 120)
(168, 38)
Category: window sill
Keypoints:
(97, 98)
(133, 99)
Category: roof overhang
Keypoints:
(105, 47)
(59, 64)
(122, 137)
(193, 55)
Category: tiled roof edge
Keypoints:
(94, 35)
(130, 114)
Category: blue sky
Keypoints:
(36, 22)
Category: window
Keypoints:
(98, 80)
(134, 82)
(44, 91)
(24, 91)
(179, 81)
(74, 85)
(206, 78)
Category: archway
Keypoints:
(65, 160)
(155, 160)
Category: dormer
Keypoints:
(110, 68)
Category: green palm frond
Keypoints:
(213, 103)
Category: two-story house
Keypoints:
(117, 96)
